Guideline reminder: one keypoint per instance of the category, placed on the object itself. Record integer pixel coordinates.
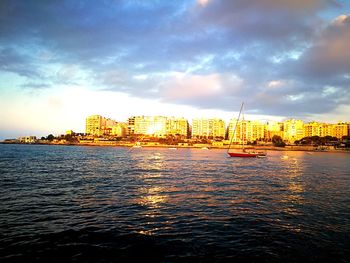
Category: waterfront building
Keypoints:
(97, 125)
(340, 129)
(131, 125)
(150, 125)
(273, 128)
(258, 130)
(94, 124)
(327, 130)
(318, 129)
(208, 128)
(314, 129)
(246, 131)
(110, 123)
(293, 130)
(324, 129)
(119, 129)
(177, 127)
(27, 139)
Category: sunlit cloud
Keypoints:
(203, 3)
(275, 83)
(186, 86)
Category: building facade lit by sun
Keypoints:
(246, 131)
(150, 125)
(273, 128)
(293, 130)
(158, 126)
(94, 124)
(97, 125)
(212, 128)
(119, 129)
(178, 127)
(314, 129)
(208, 128)
(338, 130)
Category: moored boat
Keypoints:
(247, 154)
(243, 152)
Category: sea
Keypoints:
(115, 204)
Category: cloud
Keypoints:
(329, 56)
(203, 3)
(280, 56)
(182, 87)
(275, 84)
(13, 61)
(264, 20)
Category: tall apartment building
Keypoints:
(247, 131)
(131, 125)
(94, 125)
(318, 129)
(273, 128)
(149, 125)
(208, 128)
(119, 129)
(312, 129)
(340, 129)
(325, 129)
(293, 130)
(97, 125)
(177, 126)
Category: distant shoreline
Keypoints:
(199, 146)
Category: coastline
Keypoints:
(195, 146)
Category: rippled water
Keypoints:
(106, 204)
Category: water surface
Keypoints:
(109, 204)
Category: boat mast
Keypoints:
(243, 128)
(234, 131)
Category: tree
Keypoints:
(277, 141)
(70, 138)
(50, 137)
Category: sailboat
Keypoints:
(243, 152)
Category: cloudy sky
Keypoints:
(61, 61)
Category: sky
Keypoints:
(61, 61)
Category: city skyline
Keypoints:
(210, 128)
(192, 58)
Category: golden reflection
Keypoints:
(294, 184)
(295, 187)
(154, 161)
(153, 200)
(145, 232)
(152, 197)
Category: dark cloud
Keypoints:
(13, 61)
(329, 56)
(39, 86)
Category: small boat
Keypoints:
(205, 148)
(243, 152)
(172, 148)
(137, 145)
